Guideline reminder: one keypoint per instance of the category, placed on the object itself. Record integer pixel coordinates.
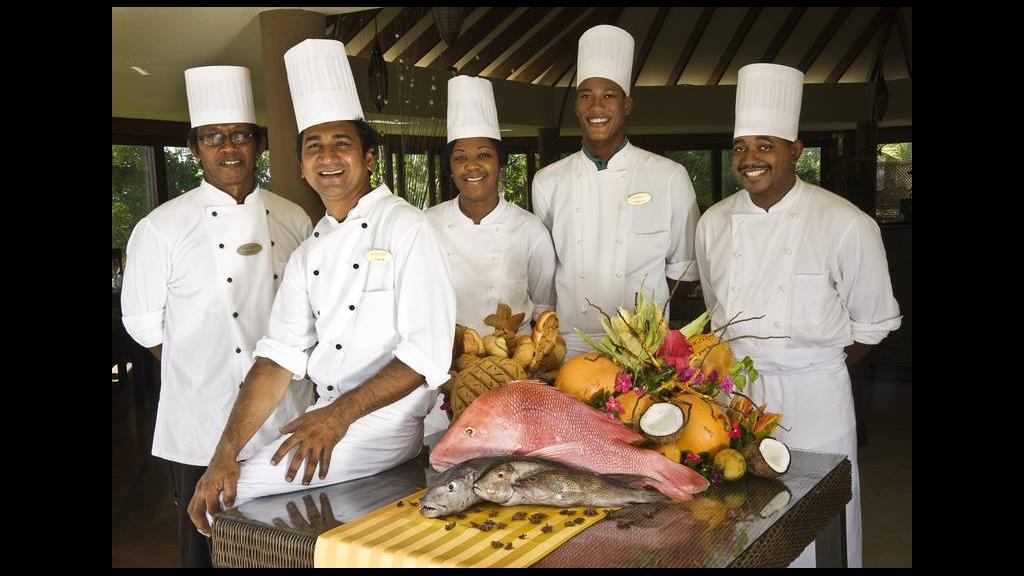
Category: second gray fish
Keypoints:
(496, 484)
(567, 487)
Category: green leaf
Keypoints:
(696, 326)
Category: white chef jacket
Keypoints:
(507, 258)
(814, 265)
(612, 229)
(188, 287)
(361, 291)
(356, 294)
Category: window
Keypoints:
(698, 166)
(133, 191)
(263, 170)
(377, 176)
(893, 190)
(808, 167)
(730, 185)
(417, 189)
(516, 189)
(183, 171)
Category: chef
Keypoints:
(366, 309)
(620, 217)
(807, 260)
(199, 284)
(498, 252)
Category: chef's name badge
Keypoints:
(638, 199)
(378, 255)
(250, 248)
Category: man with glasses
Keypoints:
(199, 283)
(620, 217)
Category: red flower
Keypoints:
(623, 383)
(675, 350)
(612, 406)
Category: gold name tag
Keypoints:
(638, 199)
(250, 249)
(378, 255)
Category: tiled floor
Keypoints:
(142, 509)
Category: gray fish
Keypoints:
(574, 488)
(496, 484)
(452, 491)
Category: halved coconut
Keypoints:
(767, 458)
(662, 422)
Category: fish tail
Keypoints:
(677, 481)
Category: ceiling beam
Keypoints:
(567, 45)
(691, 45)
(515, 30)
(869, 32)
(354, 24)
(481, 28)
(400, 24)
(877, 64)
(783, 34)
(904, 39)
(566, 59)
(734, 45)
(824, 38)
(419, 47)
(535, 42)
(649, 39)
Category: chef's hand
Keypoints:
(316, 520)
(221, 476)
(313, 436)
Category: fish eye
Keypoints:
(501, 474)
(451, 486)
(470, 432)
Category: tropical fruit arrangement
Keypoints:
(681, 389)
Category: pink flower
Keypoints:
(675, 350)
(727, 385)
(623, 383)
(612, 406)
(639, 391)
(735, 432)
(691, 458)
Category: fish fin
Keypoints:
(556, 452)
(631, 480)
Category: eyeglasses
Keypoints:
(216, 139)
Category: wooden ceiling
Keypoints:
(681, 45)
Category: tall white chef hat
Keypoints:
(471, 109)
(321, 83)
(605, 52)
(768, 101)
(219, 95)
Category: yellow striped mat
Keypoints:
(397, 536)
